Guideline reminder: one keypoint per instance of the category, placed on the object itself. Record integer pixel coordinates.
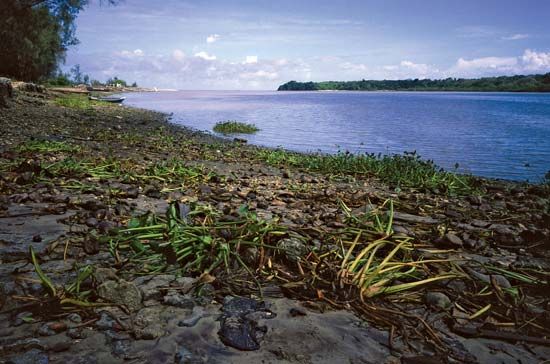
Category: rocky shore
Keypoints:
(157, 244)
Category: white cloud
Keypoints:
(515, 37)
(534, 61)
(178, 54)
(260, 74)
(487, 63)
(212, 38)
(176, 69)
(407, 69)
(418, 68)
(353, 67)
(131, 54)
(205, 56)
(251, 59)
(530, 62)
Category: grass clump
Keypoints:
(406, 170)
(80, 102)
(46, 146)
(194, 239)
(235, 127)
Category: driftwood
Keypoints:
(498, 335)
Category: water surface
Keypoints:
(500, 135)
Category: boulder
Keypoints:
(6, 91)
(32, 87)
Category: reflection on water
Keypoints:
(501, 135)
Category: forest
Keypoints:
(520, 83)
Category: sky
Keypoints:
(260, 44)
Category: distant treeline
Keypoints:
(531, 83)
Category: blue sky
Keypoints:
(245, 44)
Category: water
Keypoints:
(499, 135)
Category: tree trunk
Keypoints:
(6, 91)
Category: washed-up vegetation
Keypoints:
(407, 170)
(235, 127)
(196, 239)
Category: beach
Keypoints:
(124, 238)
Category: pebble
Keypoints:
(453, 240)
(438, 300)
(33, 356)
(194, 318)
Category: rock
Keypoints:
(105, 226)
(295, 312)
(44, 330)
(453, 240)
(438, 300)
(401, 216)
(74, 317)
(239, 326)
(31, 87)
(121, 293)
(150, 287)
(501, 281)
(178, 300)
(91, 222)
(194, 318)
(52, 328)
(6, 91)
(3, 295)
(33, 356)
(102, 275)
(184, 356)
(105, 322)
(293, 249)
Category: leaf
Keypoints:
(46, 282)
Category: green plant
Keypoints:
(196, 241)
(74, 102)
(46, 146)
(68, 296)
(234, 127)
(381, 259)
(406, 170)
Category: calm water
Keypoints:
(501, 135)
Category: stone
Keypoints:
(239, 327)
(501, 281)
(184, 356)
(33, 356)
(453, 240)
(102, 275)
(150, 287)
(438, 300)
(293, 249)
(194, 318)
(105, 322)
(121, 293)
(401, 216)
(178, 300)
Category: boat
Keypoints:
(115, 100)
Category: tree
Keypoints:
(77, 74)
(35, 35)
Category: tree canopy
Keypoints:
(35, 35)
(532, 83)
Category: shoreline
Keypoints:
(537, 179)
(75, 178)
